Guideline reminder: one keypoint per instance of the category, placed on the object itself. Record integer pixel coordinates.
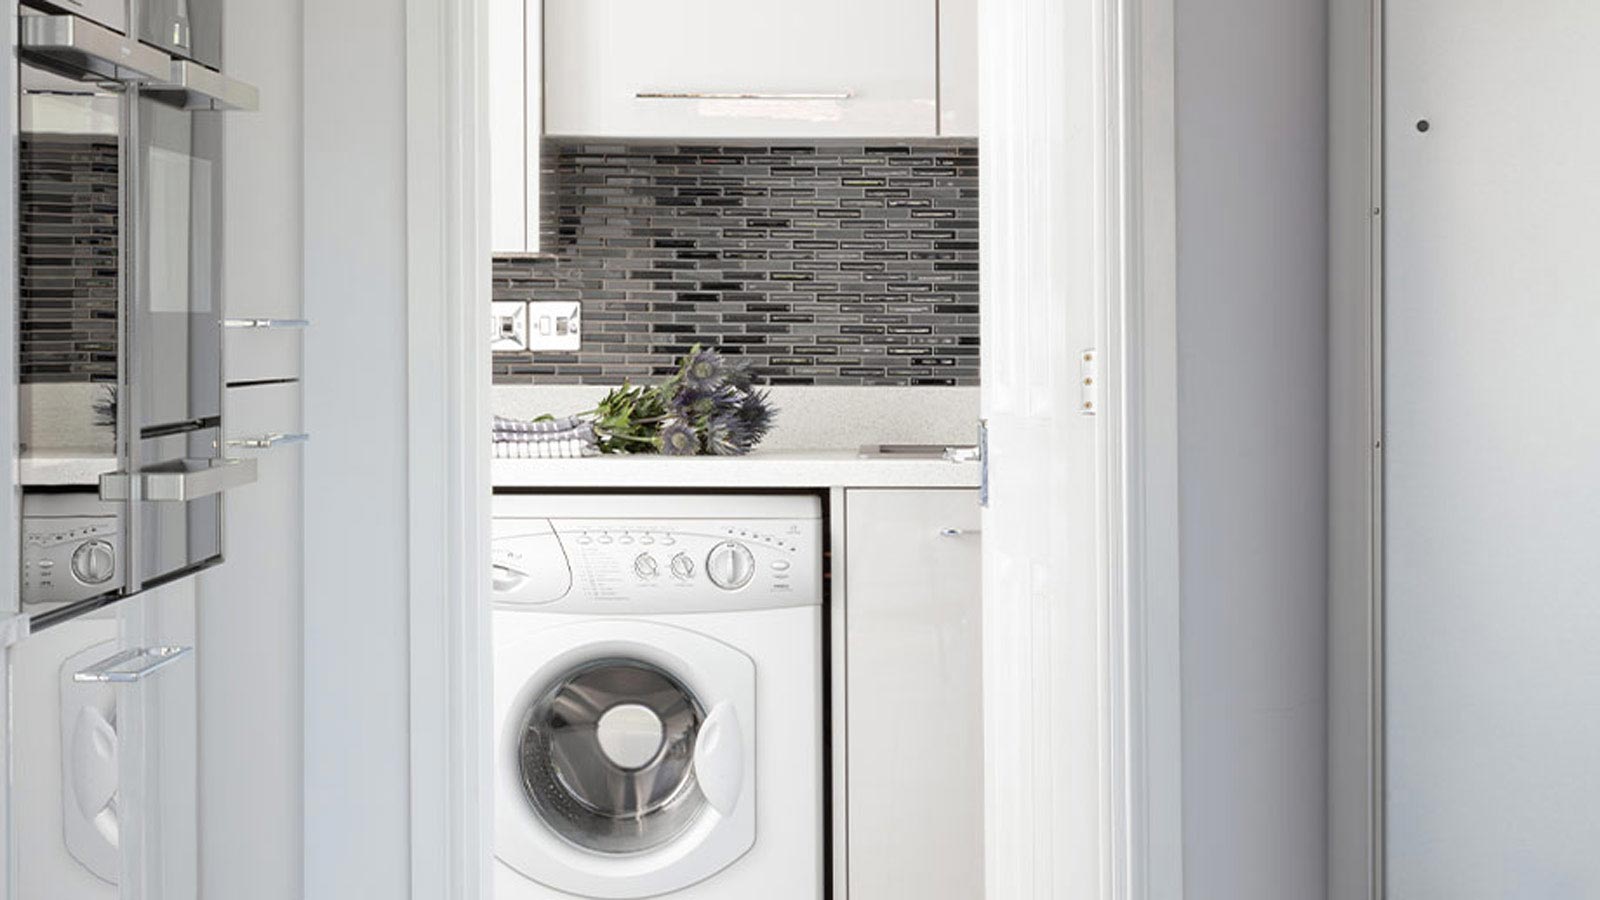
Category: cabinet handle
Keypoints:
(745, 95)
(131, 666)
(266, 323)
(269, 441)
(957, 532)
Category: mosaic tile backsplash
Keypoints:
(68, 258)
(824, 264)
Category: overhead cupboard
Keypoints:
(718, 69)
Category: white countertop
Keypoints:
(776, 469)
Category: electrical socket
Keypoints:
(555, 325)
(509, 326)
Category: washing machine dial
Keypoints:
(730, 565)
(683, 567)
(645, 566)
(94, 562)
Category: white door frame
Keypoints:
(448, 288)
(1083, 720)
(1079, 153)
(1355, 453)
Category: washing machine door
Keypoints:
(625, 757)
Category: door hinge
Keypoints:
(983, 463)
(15, 630)
(1089, 382)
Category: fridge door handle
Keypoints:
(179, 481)
(131, 666)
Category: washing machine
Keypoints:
(658, 697)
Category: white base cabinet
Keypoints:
(914, 694)
(251, 745)
(102, 737)
(736, 68)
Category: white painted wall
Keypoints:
(1252, 226)
(357, 799)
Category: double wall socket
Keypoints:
(539, 325)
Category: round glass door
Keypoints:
(606, 756)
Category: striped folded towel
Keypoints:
(572, 448)
(510, 427)
(550, 439)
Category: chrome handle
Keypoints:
(131, 666)
(179, 481)
(744, 95)
(269, 441)
(266, 323)
(91, 49)
(957, 532)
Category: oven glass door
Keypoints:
(178, 325)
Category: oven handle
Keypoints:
(179, 481)
(92, 50)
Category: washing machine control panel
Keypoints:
(663, 566)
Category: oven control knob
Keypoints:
(645, 566)
(730, 565)
(94, 562)
(683, 566)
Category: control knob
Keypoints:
(730, 565)
(683, 566)
(94, 562)
(645, 566)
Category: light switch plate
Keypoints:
(555, 325)
(509, 326)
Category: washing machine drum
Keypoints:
(624, 768)
(607, 757)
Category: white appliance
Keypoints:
(658, 697)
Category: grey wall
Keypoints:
(357, 794)
(1252, 226)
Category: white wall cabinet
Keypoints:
(736, 68)
(516, 123)
(914, 694)
(958, 68)
(251, 627)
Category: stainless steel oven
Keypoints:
(120, 270)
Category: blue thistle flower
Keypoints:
(678, 439)
(740, 426)
(738, 374)
(703, 371)
(720, 437)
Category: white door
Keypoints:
(1045, 199)
(1492, 449)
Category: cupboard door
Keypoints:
(103, 721)
(516, 121)
(251, 631)
(913, 694)
(958, 68)
(263, 273)
(733, 68)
